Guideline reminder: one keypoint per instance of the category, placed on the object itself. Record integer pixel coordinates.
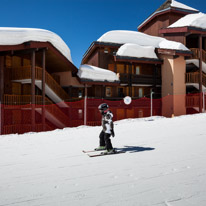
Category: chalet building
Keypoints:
(173, 75)
(178, 22)
(142, 69)
(36, 73)
(164, 60)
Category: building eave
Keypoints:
(12, 49)
(185, 29)
(137, 60)
(174, 52)
(97, 44)
(164, 11)
(96, 82)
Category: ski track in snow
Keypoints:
(164, 165)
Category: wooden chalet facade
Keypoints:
(193, 38)
(138, 76)
(33, 78)
(38, 83)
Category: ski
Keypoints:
(105, 154)
(94, 150)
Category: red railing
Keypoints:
(17, 118)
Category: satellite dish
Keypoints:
(127, 100)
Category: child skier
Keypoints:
(107, 129)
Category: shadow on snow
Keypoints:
(133, 149)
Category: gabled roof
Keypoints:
(16, 36)
(118, 38)
(191, 23)
(168, 6)
(19, 41)
(175, 4)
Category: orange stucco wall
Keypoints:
(173, 86)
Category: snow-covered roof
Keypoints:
(195, 20)
(94, 73)
(137, 51)
(179, 5)
(15, 36)
(141, 39)
(167, 6)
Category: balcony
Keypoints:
(124, 78)
(24, 73)
(193, 78)
(145, 79)
(139, 79)
(196, 54)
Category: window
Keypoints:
(140, 92)
(137, 70)
(80, 94)
(121, 92)
(108, 91)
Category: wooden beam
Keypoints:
(85, 105)
(43, 87)
(33, 90)
(1, 93)
(200, 75)
(174, 30)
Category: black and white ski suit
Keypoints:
(107, 130)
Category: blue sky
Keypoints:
(80, 22)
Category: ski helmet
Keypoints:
(102, 107)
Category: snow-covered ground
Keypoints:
(164, 165)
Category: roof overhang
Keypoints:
(137, 60)
(97, 44)
(165, 11)
(93, 82)
(174, 52)
(55, 60)
(186, 30)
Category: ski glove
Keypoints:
(112, 132)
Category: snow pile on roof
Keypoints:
(96, 74)
(141, 39)
(135, 50)
(179, 5)
(15, 36)
(195, 20)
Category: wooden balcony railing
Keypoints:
(139, 79)
(145, 79)
(196, 54)
(124, 78)
(12, 101)
(193, 77)
(25, 73)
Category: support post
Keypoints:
(33, 91)
(200, 75)
(1, 93)
(43, 88)
(85, 105)
(151, 105)
(203, 100)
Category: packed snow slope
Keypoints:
(164, 165)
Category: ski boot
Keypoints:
(100, 148)
(111, 151)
